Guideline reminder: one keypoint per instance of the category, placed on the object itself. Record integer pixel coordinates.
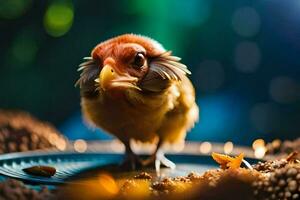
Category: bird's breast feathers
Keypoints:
(133, 115)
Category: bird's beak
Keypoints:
(109, 78)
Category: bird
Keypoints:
(134, 89)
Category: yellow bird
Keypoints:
(134, 89)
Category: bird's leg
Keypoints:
(158, 159)
(131, 161)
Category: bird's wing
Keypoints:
(183, 116)
(89, 72)
(167, 72)
(163, 70)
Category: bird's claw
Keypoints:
(131, 162)
(158, 160)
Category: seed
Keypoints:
(40, 170)
(292, 185)
(270, 189)
(280, 194)
(288, 194)
(281, 183)
(292, 172)
(295, 196)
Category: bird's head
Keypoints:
(129, 62)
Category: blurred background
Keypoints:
(244, 56)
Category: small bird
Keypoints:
(134, 89)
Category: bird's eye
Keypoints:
(139, 60)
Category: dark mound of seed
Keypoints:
(12, 189)
(270, 166)
(283, 183)
(143, 175)
(20, 131)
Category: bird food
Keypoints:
(274, 179)
(20, 132)
(45, 171)
(11, 189)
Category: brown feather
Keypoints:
(90, 71)
(163, 69)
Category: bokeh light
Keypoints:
(284, 90)
(276, 143)
(210, 75)
(80, 145)
(117, 146)
(11, 9)
(246, 21)
(102, 186)
(53, 138)
(265, 117)
(61, 144)
(228, 147)
(58, 18)
(260, 152)
(205, 147)
(24, 49)
(108, 185)
(259, 147)
(198, 11)
(178, 147)
(247, 57)
(258, 143)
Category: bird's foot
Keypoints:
(131, 162)
(158, 160)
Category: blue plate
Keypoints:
(69, 164)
